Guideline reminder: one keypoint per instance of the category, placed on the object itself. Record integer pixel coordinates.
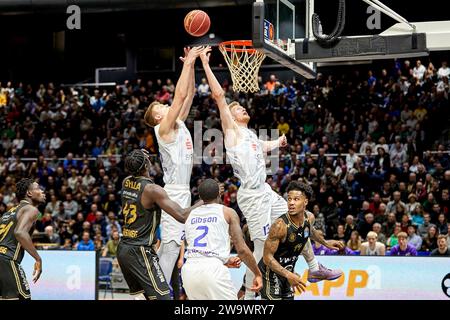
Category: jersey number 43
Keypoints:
(129, 213)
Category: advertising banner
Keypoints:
(375, 278)
(66, 275)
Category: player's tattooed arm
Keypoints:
(317, 237)
(330, 244)
(277, 233)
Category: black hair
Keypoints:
(135, 162)
(300, 186)
(22, 187)
(208, 190)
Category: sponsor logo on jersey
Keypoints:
(292, 237)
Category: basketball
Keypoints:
(197, 23)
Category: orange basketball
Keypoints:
(197, 23)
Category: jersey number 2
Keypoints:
(197, 242)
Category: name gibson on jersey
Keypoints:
(203, 220)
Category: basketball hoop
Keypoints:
(244, 62)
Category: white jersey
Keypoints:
(207, 233)
(247, 160)
(177, 157)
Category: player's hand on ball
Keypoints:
(204, 55)
(282, 141)
(335, 245)
(37, 271)
(257, 283)
(296, 282)
(233, 262)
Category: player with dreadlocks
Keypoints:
(141, 199)
(16, 227)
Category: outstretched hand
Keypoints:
(190, 54)
(204, 55)
(186, 52)
(283, 141)
(335, 245)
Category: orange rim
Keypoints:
(227, 46)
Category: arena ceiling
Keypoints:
(15, 7)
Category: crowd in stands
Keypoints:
(369, 144)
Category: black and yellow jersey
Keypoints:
(296, 238)
(10, 248)
(139, 223)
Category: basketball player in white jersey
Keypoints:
(260, 205)
(208, 230)
(176, 153)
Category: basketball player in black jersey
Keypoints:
(141, 201)
(16, 227)
(287, 238)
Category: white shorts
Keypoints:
(207, 279)
(171, 229)
(261, 207)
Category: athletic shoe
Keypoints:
(323, 274)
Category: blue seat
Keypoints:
(104, 274)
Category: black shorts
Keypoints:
(275, 287)
(13, 283)
(141, 270)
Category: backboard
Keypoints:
(276, 25)
(290, 34)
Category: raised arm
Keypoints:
(26, 220)
(217, 93)
(243, 251)
(181, 93)
(187, 104)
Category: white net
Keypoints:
(244, 62)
